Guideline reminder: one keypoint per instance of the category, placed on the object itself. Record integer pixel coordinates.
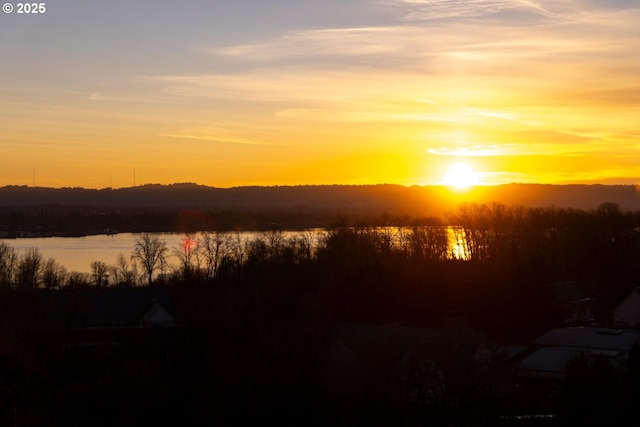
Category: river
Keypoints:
(77, 253)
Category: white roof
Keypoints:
(157, 315)
(590, 338)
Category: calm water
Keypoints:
(77, 253)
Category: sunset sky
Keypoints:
(286, 92)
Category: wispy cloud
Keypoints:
(519, 12)
(210, 137)
(614, 175)
(319, 44)
(439, 9)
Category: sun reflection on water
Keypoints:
(458, 248)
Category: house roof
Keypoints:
(157, 315)
(589, 338)
(632, 298)
(627, 312)
(548, 360)
(558, 346)
(551, 363)
(102, 307)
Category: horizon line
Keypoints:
(188, 183)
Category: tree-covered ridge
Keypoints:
(361, 199)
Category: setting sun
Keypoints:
(460, 175)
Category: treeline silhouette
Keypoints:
(480, 255)
(256, 316)
(80, 221)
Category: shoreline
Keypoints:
(23, 234)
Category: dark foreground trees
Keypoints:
(257, 316)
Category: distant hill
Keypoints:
(369, 199)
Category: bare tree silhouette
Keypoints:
(8, 263)
(29, 266)
(151, 252)
(123, 273)
(100, 273)
(53, 274)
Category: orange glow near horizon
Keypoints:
(520, 92)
